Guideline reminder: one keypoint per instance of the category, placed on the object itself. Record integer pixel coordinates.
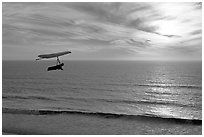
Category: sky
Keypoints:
(103, 31)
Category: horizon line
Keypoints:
(104, 60)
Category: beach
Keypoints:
(80, 124)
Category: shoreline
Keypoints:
(103, 115)
(78, 124)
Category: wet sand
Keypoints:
(77, 124)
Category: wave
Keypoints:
(159, 85)
(122, 101)
(125, 101)
(169, 86)
(27, 97)
(146, 102)
(103, 114)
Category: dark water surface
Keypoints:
(170, 90)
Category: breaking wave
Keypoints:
(102, 114)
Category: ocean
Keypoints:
(109, 89)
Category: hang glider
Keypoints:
(53, 55)
(58, 65)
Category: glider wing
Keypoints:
(54, 54)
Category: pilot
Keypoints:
(57, 67)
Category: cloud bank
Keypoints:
(134, 31)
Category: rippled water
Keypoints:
(162, 89)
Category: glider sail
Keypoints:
(54, 54)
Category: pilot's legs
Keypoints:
(60, 67)
(58, 61)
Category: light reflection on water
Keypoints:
(174, 112)
(161, 91)
(115, 87)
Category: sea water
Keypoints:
(136, 88)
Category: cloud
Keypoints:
(196, 32)
(133, 28)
